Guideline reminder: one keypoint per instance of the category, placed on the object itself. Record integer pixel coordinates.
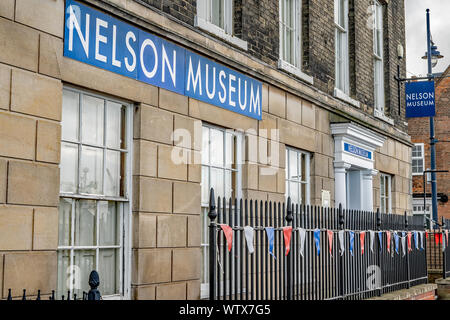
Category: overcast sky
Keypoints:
(416, 34)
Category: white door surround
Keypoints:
(354, 148)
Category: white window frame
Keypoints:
(204, 287)
(293, 67)
(203, 21)
(342, 82)
(125, 219)
(387, 197)
(422, 157)
(304, 181)
(378, 59)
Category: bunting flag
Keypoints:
(341, 242)
(287, 232)
(403, 244)
(436, 238)
(409, 241)
(426, 234)
(396, 238)
(249, 233)
(269, 232)
(443, 245)
(228, 232)
(380, 240)
(421, 240)
(362, 236)
(388, 241)
(302, 234)
(317, 240)
(330, 241)
(372, 238)
(446, 236)
(352, 240)
(416, 240)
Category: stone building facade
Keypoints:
(419, 129)
(135, 213)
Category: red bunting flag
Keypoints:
(362, 236)
(409, 241)
(436, 238)
(287, 231)
(426, 234)
(330, 241)
(228, 232)
(388, 241)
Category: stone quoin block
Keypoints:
(174, 102)
(145, 158)
(144, 230)
(30, 270)
(45, 228)
(171, 291)
(19, 44)
(16, 228)
(186, 198)
(5, 86)
(33, 184)
(17, 136)
(50, 55)
(186, 264)
(294, 108)
(155, 124)
(277, 102)
(155, 195)
(172, 162)
(151, 266)
(36, 14)
(48, 144)
(3, 180)
(171, 231)
(36, 95)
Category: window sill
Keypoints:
(286, 66)
(344, 97)
(215, 30)
(383, 117)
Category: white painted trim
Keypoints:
(286, 66)
(380, 115)
(345, 97)
(219, 32)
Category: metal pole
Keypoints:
(212, 246)
(432, 138)
(444, 253)
(289, 219)
(408, 272)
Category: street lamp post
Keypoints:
(432, 138)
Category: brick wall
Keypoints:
(419, 129)
(257, 22)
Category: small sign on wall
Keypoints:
(326, 198)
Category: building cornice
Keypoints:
(154, 20)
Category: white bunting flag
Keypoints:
(422, 235)
(248, 231)
(341, 242)
(302, 234)
(443, 243)
(372, 238)
(403, 244)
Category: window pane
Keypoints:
(109, 216)
(64, 273)
(84, 261)
(65, 209)
(109, 271)
(114, 129)
(92, 120)
(69, 167)
(229, 152)
(217, 13)
(70, 119)
(293, 165)
(85, 222)
(205, 145)
(217, 181)
(205, 185)
(112, 173)
(216, 145)
(294, 191)
(91, 170)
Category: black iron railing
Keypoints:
(93, 294)
(305, 273)
(438, 253)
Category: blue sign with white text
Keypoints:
(357, 150)
(98, 39)
(420, 99)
